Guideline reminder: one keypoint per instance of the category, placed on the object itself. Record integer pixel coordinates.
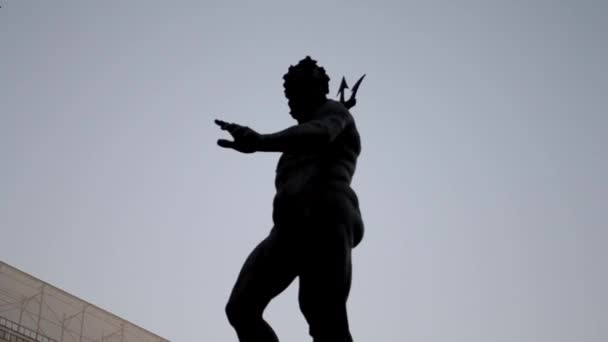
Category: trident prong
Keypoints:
(343, 86)
(352, 101)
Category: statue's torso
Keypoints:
(308, 184)
(332, 168)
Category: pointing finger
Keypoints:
(221, 123)
(226, 126)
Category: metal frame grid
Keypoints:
(46, 313)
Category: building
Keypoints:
(34, 311)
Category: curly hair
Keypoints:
(306, 77)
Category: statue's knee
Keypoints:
(233, 311)
(325, 323)
(239, 313)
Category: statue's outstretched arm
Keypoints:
(306, 137)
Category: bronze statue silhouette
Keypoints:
(316, 214)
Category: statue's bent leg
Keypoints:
(325, 282)
(268, 271)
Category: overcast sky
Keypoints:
(482, 179)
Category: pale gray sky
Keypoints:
(482, 179)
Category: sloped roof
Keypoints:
(49, 312)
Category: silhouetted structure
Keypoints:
(316, 214)
(32, 310)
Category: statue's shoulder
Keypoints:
(336, 106)
(333, 107)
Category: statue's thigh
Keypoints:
(325, 275)
(267, 271)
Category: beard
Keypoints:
(303, 109)
(299, 111)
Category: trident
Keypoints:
(343, 86)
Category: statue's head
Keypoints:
(306, 87)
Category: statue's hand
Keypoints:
(246, 140)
